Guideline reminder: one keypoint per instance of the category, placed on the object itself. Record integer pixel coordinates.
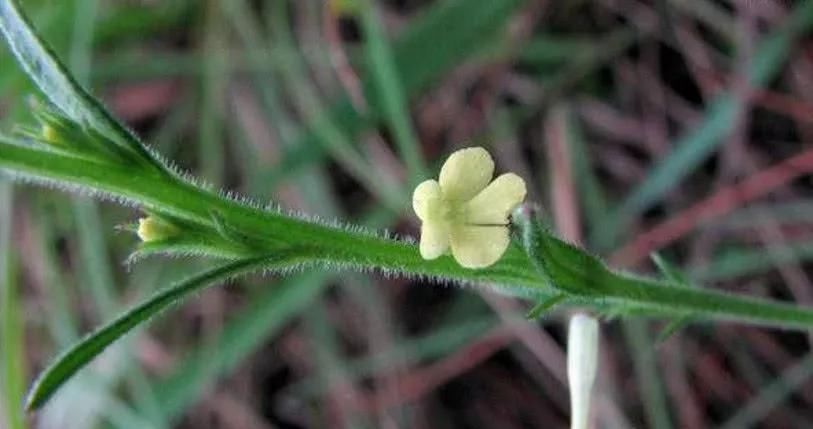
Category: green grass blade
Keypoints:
(12, 355)
(410, 351)
(670, 271)
(701, 141)
(741, 262)
(270, 309)
(213, 81)
(648, 374)
(136, 21)
(329, 134)
(81, 353)
(452, 40)
(92, 251)
(392, 101)
(772, 395)
(248, 30)
(61, 322)
(95, 267)
(591, 194)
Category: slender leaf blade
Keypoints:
(55, 83)
(670, 271)
(81, 353)
(392, 100)
(452, 40)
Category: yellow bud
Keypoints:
(50, 134)
(152, 229)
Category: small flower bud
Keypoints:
(152, 229)
(50, 134)
(582, 360)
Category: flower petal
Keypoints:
(478, 246)
(426, 198)
(495, 202)
(434, 239)
(466, 173)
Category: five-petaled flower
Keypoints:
(462, 210)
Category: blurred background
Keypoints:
(678, 126)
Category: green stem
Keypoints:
(585, 276)
(573, 271)
(326, 244)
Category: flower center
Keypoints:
(450, 211)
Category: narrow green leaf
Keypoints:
(136, 21)
(438, 342)
(771, 395)
(81, 353)
(647, 374)
(215, 68)
(591, 194)
(742, 262)
(670, 271)
(329, 133)
(452, 40)
(702, 140)
(392, 100)
(53, 80)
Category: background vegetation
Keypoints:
(681, 126)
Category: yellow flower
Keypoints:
(463, 211)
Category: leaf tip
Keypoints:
(34, 399)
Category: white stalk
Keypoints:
(582, 361)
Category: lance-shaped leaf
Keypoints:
(80, 354)
(61, 89)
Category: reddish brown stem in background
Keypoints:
(720, 203)
(419, 382)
